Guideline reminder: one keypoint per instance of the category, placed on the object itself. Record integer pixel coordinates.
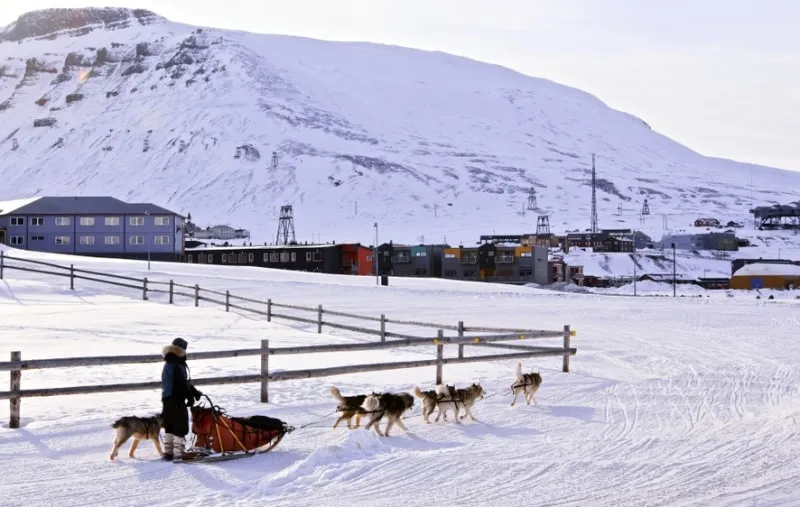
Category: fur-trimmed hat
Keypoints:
(180, 343)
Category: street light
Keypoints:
(147, 214)
(674, 276)
(375, 257)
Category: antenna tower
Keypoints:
(285, 226)
(645, 211)
(543, 225)
(532, 199)
(274, 159)
(594, 199)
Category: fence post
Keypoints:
(319, 319)
(439, 356)
(269, 310)
(227, 300)
(2, 263)
(383, 327)
(196, 295)
(567, 334)
(14, 398)
(460, 335)
(264, 371)
(171, 291)
(144, 289)
(71, 277)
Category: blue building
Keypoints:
(96, 226)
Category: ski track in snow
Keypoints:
(669, 401)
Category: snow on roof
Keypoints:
(7, 207)
(768, 269)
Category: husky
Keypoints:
(389, 405)
(526, 383)
(140, 428)
(454, 399)
(430, 400)
(350, 407)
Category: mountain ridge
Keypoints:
(423, 142)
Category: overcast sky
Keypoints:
(722, 77)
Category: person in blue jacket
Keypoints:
(177, 393)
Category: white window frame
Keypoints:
(112, 221)
(224, 258)
(251, 258)
(63, 221)
(87, 221)
(134, 240)
(136, 221)
(285, 257)
(308, 257)
(17, 240)
(86, 239)
(110, 239)
(63, 240)
(161, 239)
(16, 221)
(37, 220)
(161, 220)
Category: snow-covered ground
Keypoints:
(671, 401)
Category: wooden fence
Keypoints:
(320, 317)
(16, 365)
(267, 308)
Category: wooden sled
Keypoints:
(220, 437)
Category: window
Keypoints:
(265, 257)
(17, 221)
(86, 240)
(308, 257)
(251, 258)
(37, 238)
(162, 240)
(224, 258)
(242, 258)
(294, 256)
(273, 257)
(17, 240)
(62, 240)
(111, 221)
(284, 256)
(87, 221)
(210, 258)
(450, 273)
(190, 258)
(161, 220)
(317, 256)
(526, 254)
(137, 240)
(136, 221)
(421, 254)
(449, 256)
(63, 221)
(37, 221)
(112, 240)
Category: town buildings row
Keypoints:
(105, 226)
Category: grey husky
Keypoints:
(140, 428)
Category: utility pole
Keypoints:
(674, 276)
(149, 240)
(375, 257)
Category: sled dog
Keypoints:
(349, 407)
(454, 399)
(430, 400)
(140, 428)
(389, 405)
(526, 383)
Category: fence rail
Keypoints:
(266, 308)
(17, 365)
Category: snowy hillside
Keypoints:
(428, 144)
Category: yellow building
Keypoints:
(765, 275)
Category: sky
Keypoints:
(721, 77)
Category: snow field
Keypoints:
(671, 401)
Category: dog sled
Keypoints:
(221, 437)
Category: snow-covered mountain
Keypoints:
(127, 103)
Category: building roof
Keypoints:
(206, 247)
(8, 207)
(90, 205)
(768, 269)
